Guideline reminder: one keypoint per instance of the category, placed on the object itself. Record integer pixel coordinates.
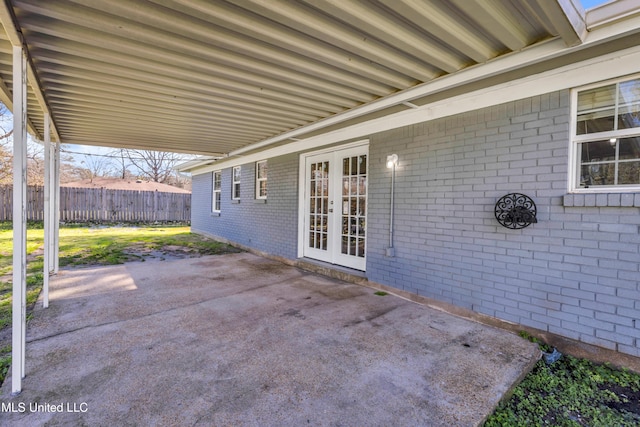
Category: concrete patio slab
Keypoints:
(240, 340)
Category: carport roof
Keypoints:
(215, 77)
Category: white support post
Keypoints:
(56, 208)
(48, 211)
(19, 316)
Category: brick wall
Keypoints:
(267, 225)
(574, 273)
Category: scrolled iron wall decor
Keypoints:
(515, 211)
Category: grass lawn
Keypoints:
(82, 246)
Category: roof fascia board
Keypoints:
(604, 67)
(611, 11)
(543, 51)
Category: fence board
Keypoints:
(102, 205)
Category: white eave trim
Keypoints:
(611, 11)
(188, 166)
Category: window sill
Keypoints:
(617, 200)
(235, 201)
(215, 214)
(260, 201)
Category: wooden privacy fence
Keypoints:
(102, 205)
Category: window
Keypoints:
(235, 185)
(261, 179)
(606, 136)
(215, 196)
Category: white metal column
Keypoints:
(56, 208)
(19, 218)
(49, 183)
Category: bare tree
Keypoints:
(35, 161)
(95, 166)
(69, 170)
(6, 151)
(154, 165)
(121, 163)
(6, 164)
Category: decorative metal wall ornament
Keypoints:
(515, 211)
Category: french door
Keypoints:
(335, 219)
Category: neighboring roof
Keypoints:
(125, 184)
(219, 77)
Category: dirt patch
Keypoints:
(266, 266)
(629, 399)
(165, 253)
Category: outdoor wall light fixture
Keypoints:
(515, 211)
(392, 162)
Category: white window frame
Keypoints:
(216, 198)
(235, 182)
(260, 180)
(576, 140)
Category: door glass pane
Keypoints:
(363, 165)
(318, 205)
(361, 227)
(362, 206)
(353, 206)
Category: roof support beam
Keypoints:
(568, 19)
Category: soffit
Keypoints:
(212, 77)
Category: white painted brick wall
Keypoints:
(574, 273)
(269, 226)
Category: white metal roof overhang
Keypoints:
(216, 77)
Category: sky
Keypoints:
(588, 4)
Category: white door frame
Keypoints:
(302, 190)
